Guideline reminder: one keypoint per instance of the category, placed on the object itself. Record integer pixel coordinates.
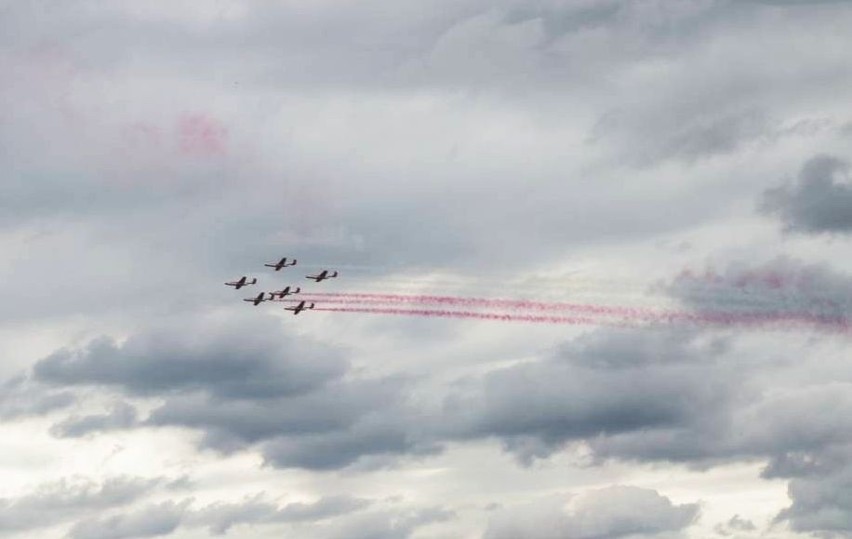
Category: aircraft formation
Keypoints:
(286, 291)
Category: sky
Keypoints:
(595, 269)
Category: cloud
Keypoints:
(609, 513)
(781, 285)
(245, 382)
(332, 517)
(602, 385)
(21, 397)
(661, 396)
(798, 2)
(241, 358)
(63, 500)
(387, 524)
(221, 517)
(821, 505)
(821, 200)
(466, 136)
(690, 135)
(122, 416)
(666, 397)
(735, 525)
(329, 428)
(151, 521)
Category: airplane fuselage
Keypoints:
(299, 308)
(281, 264)
(322, 276)
(286, 292)
(241, 283)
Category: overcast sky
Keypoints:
(632, 157)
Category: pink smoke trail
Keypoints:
(631, 314)
(486, 303)
(506, 317)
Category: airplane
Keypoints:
(258, 299)
(281, 264)
(241, 282)
(323, 275)
(287, 291)
(299, 308)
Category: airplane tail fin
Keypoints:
(254, 281)
(297, 290)
(335, 273)
(312, 306)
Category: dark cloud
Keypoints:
(821, 505)
(61, 501)
(599, 386)
(246, 381)
(610, 513)
(669, 397)
(122, 416)
(240, 358)
(647, 396)
(330, 428)
(820, 201)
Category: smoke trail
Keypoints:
(601, 314)
(726, 319)
(454, 301)
(505, 317)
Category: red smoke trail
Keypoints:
(466, 314)
(724, 319)
(454, 301)
(626, 314)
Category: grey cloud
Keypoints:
(57, 502)
(122, 416)
(735, 525)
(802, 434)
(151, 521)
(375, 436)
(330, 517)
(791, 429)
(599, 386)
(327, 429)
(688, 135)
(678, 397)
(797, 2)
(781, 285)
(243, 358)
(20, 397)
(610, 513)
(558, 20)
(311, 89)
(132, 222)
(820, 201)
(822, 506)
(246, 382)
(387, 524)
(221, 517)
